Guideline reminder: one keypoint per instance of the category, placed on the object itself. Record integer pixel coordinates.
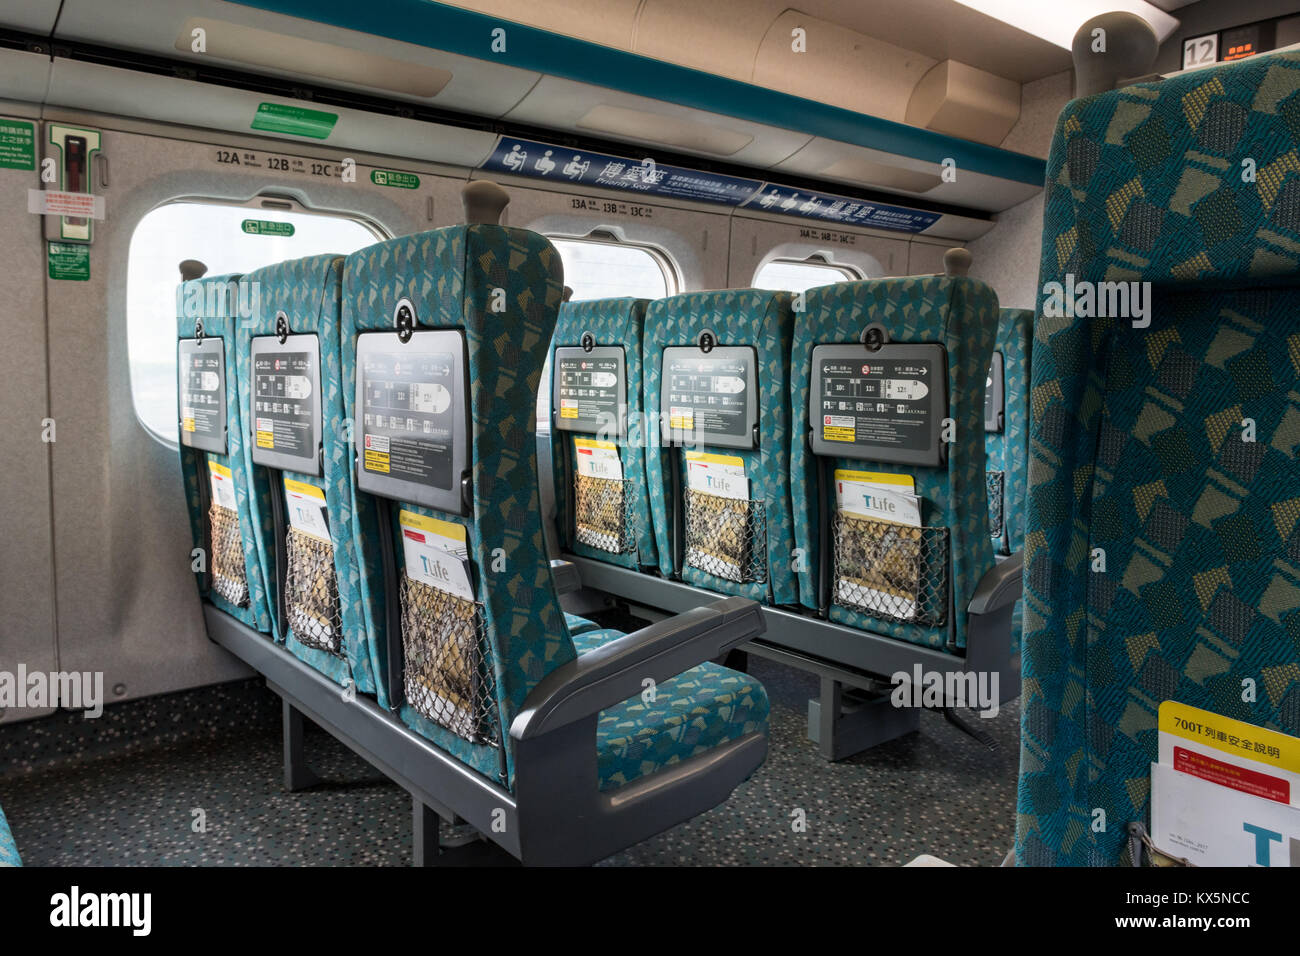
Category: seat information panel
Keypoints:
(413, 434)
(589, 391)
(286, 404)
(201, 393)
(995, 401)
(709, 397)
(886, 405)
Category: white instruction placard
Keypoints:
(306, 505)
(223, 485)
(55, 202)
(1212, 825)
(598, 459)
(436, 554)
(878, 496)
(720, 475)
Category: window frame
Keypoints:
(848, 273)
(268, 201)
(602, 237)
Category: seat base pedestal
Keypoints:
(843, 724)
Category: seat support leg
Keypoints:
(425, 824)
(297, 775)
(433, 846)
(843, 724)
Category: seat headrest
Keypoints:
(1191, 180)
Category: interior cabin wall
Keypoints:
(126, 601)
(1006, 257)
(27, 625)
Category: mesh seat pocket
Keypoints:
(602, 514)
(994, 482)
(311, 593)
(229, 577)
(447, 679)
(727, 537)
(891, 571)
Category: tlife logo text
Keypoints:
(77, 909)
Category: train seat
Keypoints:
(597, 427)
(859, 474)
(577, 624)
(291, 389)
(689, 714)
(8, 848)
(1162, 546)
(716, 368)
(1006, 425)
(454, 324)
(1006, 441)
(218, 487)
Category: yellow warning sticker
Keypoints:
(187, 424)
(709, 458)
(304, 489)
(837, 433)
(1229, 736)
(376, 461)
(681, 419)
(876, 478)
(445, 529)
(569, 412)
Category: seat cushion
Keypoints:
(578, 625)
(8, 850)
(701, 708)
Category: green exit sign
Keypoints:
(264, 227)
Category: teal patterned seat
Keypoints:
(706, 706)
(764, 321)
(8, 849)
(1162, 543)
(611, 322)
(1007, 451)
(308, 293)
(215, 301)
(578, 624)
(502, 286)
(960, 314)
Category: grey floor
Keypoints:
(194, 779)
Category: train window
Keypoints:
(227, 238)
(605, 269)
(790, 275)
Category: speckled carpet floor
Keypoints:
(194, 779)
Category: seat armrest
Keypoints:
(1000, 587)
(614, 672)
(566, 576)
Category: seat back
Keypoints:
(699, 347)
(8, 849)
(218, 487)
(298, 446)
(450, 328)
(598, 432)
(1006, 423)
(1162, 545)
(860, 568)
